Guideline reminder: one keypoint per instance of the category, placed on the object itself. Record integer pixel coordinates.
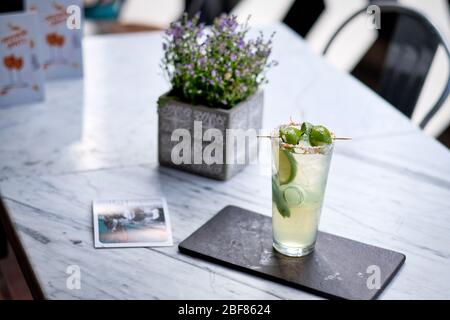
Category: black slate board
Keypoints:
(337, 268)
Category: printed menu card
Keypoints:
(21, 74)
(61, 34)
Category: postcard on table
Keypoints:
(61, 35)
(21, 75)
(131, 223)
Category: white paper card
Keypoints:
(61, 34)
(21, 76)
(131, 223)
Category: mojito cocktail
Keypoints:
(301, 156)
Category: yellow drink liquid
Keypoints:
(299, 179)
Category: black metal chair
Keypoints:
(413, 45)
(302, 15)
(209, 9)
(11, 6)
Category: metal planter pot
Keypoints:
(196, 119)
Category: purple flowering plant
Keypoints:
(216, 66)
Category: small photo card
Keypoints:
(60, 23)
(131, 223)
(21, 75)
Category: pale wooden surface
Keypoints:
(390, 186)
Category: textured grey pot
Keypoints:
(174, 114)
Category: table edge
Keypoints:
(21, 256)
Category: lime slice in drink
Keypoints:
(320, 136)
(293, 195)
(287, 167)
(280, 202)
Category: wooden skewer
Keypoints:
(334, 138)
(269, 137)
(341, 138)
(293, 123)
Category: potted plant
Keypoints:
(216, 73)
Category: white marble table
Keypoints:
(96, 138)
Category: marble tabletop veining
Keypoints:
(95, 138)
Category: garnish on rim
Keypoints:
(315, 136)
(294, 133)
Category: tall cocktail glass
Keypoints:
(299, 179)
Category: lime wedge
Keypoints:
(277, 197)
(287, 167)
(290, 135)
(320, 136)
(293, 195)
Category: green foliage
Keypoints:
(216, 66)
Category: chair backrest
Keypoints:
(411, 52)
(209, 9)
(11, 6)
(303, 14)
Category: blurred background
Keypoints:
(404, 62)
(369, 55)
